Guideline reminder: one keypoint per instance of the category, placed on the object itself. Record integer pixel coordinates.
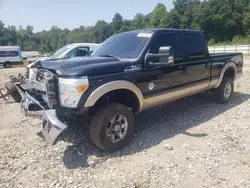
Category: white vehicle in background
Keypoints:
(68, 51)
(10, 55)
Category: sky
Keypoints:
(43, 14)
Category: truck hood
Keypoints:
(90, 66)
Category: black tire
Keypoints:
(12, 90)
(7, 65)
(100, 122)
(219, 93)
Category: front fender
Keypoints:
(111, 86)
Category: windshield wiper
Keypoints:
(107, 55)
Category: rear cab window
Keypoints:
(194, 45)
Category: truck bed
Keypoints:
(221, 55)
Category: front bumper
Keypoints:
(52, 127)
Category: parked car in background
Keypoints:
(10, 55)
(68, 51)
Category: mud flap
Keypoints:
(52, 126)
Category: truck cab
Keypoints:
(130, 72)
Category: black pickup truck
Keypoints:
(130, 72)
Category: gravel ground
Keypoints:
(192, 142)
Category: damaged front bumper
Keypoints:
(52, 127)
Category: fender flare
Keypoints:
(229, 65)
(111, 86)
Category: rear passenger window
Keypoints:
(166, 39)
(194, 44)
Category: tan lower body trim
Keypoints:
(175, 94)
(213, 83)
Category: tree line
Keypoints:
(221, 21)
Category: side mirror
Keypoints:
(165, 57)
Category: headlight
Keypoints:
(71, 90)
(33, 73)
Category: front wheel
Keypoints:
(224, 92)
(112, 127)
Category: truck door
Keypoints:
(168, 77)
(197, 62)
(188, 75)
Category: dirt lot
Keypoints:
(193, 142)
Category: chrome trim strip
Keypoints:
(111, 86)
(175, 94)
(31, 84)
(225, 68)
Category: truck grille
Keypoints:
(49, 79)
(51, 92)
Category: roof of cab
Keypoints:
(155, 30)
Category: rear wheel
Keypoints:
(112, 127)
(224, 92)
(7, 65)
(12, 90)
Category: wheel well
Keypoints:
(230, 73)
(121, 96)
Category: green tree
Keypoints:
(246, 21)
(221, 21)
(117, 22)
(139, 21)
(158, 14)
(101, 31)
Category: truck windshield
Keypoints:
(124, 45)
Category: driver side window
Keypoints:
(166, 39)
